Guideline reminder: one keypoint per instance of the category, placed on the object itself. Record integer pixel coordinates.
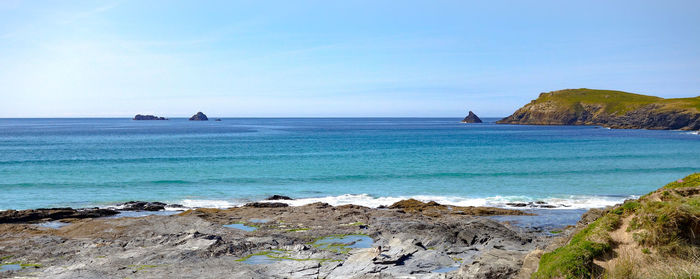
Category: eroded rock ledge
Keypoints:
(420, 240)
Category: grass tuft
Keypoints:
(667, 221)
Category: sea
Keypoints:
(365, 161)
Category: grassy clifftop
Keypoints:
(609, 108)
(656, 236)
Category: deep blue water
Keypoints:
(369, 161)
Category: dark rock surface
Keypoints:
(266, 204)
(435, 209)
(199, 117)
(196, 244)
(278, 197)
(471, 118)
(537, 204)
(148, 117)
(49, 214)
(142, 206)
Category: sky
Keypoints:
(335, 58)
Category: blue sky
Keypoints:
(335, 58)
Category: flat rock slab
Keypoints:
(312, 241)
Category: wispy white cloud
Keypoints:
(74, 17)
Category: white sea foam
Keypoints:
(570, 202)
(208, 203)
(564, 202)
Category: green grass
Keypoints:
(575, 259)
(26, 265)
(667, 225)
(688, 181)
(614, 102)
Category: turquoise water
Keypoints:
(347, 241)
(371, 161)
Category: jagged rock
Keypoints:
(195, 243)
(472, 118)
(398, 251)
(278, 197)
(148, 117)
(199, 117)
(45, 214)
(142, 206)
(432, 208)
(495, 264)
(266, 204)
(516, 204)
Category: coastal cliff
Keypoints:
(614, 109)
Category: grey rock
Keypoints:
(195, 244)
(495, 264)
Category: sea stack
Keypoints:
(199, 117)
(148, 117)
(471, 118)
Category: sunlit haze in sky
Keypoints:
(335, 58)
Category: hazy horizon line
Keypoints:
(239, 117)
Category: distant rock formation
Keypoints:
(614, 109)
(199, 117)
(148, 117)
(471, 118)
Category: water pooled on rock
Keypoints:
(241, 227)
(10, 267)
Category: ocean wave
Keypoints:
(568, 202)
(190, 203)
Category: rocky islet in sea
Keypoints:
(199, 116)
(472, 118)
(148, 117)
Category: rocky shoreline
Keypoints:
(269, 239)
